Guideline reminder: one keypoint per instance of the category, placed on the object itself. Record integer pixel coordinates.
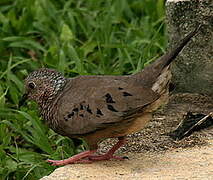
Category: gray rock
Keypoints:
(193, 163)
(193, 70)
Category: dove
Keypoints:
(97, 107)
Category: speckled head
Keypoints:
(43, 85)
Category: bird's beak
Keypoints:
(23, 100)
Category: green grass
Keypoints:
(75, 37)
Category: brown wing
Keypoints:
(91, 103)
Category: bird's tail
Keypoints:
(148, 76)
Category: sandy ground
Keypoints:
(152, 154)
(181, 164)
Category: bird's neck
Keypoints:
(47, 100)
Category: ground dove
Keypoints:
(98, 107)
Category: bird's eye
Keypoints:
(31, 85)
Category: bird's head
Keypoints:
(43, 85)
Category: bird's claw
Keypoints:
(105, 157)
(65, 162)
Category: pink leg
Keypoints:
(78, 158)
(109, 154)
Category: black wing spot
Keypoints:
(109, 98)
(119, 88)
(81, 107)
(70, 115)
(81, 115)
(75, 109)
(111, 108)
(127, 94)
(99, 112)
(88, 109)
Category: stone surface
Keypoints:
(195, 163)
(193, 68)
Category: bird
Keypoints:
(97, 107)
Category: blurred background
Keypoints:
(77, 38)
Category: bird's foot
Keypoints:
(105, 157)
(68, 161)
(88, 157)
(109, 155)
(78, 158)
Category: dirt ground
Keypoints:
(152, 154)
